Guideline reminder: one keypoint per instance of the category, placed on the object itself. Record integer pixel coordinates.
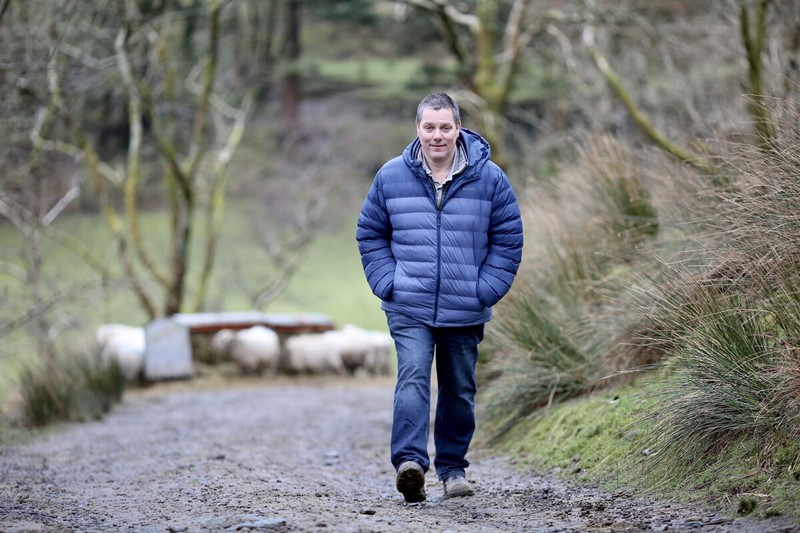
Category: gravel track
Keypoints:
(287, 455)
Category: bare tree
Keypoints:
(290, 96)
(108, 109)
(32, 197)
(752, 18)
(179, 124)
(753, 26)
(487, 63)
(28, 272)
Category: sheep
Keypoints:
(255, 350)
(379, 356)
(221, 344)
(360, 348)
(123, 344)
(352, 343)
(313, 353)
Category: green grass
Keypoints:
(604, 438)
(369, 70)
(592, 437)
(73, 387)
(329, 281)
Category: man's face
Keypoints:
(438, 132)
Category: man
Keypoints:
(440, 238)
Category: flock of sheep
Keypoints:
(260, 350)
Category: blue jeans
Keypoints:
(456, 356)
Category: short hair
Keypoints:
(439, 101)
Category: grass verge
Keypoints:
(604, 438)
(70, 388)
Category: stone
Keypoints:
(168, 350)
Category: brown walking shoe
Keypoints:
(410, 482)
(457, 486)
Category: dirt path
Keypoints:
(285, 456)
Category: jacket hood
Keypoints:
(477, 148)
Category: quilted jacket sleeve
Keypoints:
(374, 235)
(505, 246)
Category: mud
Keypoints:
(288, 456)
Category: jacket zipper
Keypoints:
(438, 264)
(439, 209)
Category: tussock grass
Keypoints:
(70, 388)
(633, 264)
(540, 345)
(736, 330)
(719, 380)
(581, 233)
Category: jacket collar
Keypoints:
(476, 152)
(459, 162)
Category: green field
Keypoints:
(330, 281)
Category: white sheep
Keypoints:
(352, 343)
(360, 348)
(313, 353)
(378, 361)
(221, 343)
(124, 344)
(256, 350)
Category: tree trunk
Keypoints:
(291, 79)
(753, 40)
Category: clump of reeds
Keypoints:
(734, 371)
(582, 233)
(69, 388)
(637, 263)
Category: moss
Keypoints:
(594, 434)
(603, 438)
(747, 506)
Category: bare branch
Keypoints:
(20, 219)
(78, 248)
(514, 42)
(31, 313)
(754, 45)
(42, 306)
(72, 193)
(134, 154)
(3, 9)
(62, 147)
(448, 9)
(451, 34)
(636, 113)
(567, 50)
(209, 76)
(216, 205)
(10, 269)
(287, 252)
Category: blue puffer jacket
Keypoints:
(445, 267)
